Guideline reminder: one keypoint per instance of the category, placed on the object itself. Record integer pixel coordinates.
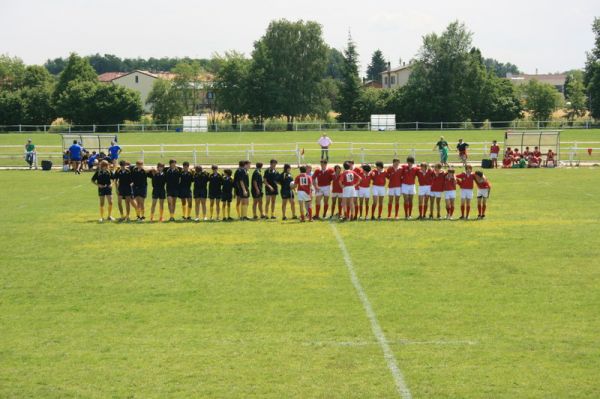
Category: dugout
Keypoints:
(544, 139)
(98, 142)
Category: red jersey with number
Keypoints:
(361, 173)
(483, 184)
(337, 187)
(449, 183)
(378, 177)
(303, 182)
(323, 177)
(349, 178)
(466, 180)
(425, 178)
(495, 149)
(409, 173)
(437, 182)
(394, 176)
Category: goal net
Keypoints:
(90, 141)
(544, 140)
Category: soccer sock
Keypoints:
(483, 210)
(420, 210)
(410, 208)
(405, 210)
(318, 209)
(160, 212)
(101, 212)
(309, 213)
(451, 210)
(356, 208)
(244, 210)
(390, 209)
(237, 210)
(339, 209)
(325, 208)
(462, 211)
(425, 209)
(396, 209)
(478, 209)
(468, 210)
(373, 207)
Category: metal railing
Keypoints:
(303, 126)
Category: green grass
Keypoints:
(268, 145)
(503, 308)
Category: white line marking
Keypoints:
(398, 342)
(392, 364)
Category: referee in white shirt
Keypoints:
(325, 142)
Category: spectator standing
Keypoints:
(30, 154)
(325, 142)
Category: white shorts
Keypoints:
(395, 191)
(303, 196)
(336, 195)
(409, 189)
(483, 193)
(450, 194)
(349, 192)
(323, 190)
(493, 155)
(378, 191)
(364, 192)
(466, 193)
(436, 194)
(424, 190)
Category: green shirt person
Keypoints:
(442, 147)
(30, 153)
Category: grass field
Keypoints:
(502, 308)
(270, 144)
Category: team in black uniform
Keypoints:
(185, 190)
(287, 195)
(257, 192)
(271, 179)
(103, 179)
(227, 187)
(200, 191)
(242, 189)
(215, 182)
(124, 179)
(172, 177)
(159, 193)
(139, 177)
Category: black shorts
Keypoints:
(257, 195)
(125, 192)
(287, 195)
(172, 192)
(274, 192)
(226, 197)
(140, 191)
(104, 191)
(159, 194)
(215, 195)
(240, 193)
(200, 194)
(185, 193)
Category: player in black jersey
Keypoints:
(139, 177)
(227, 194)
(124, 187)
(159, 193)
(215, 183)
(185, 190)
(172, 176)
(257, 192)
(103, 179)
(242, 189)
(200, 191)
(271, 178)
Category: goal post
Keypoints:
(99, 142)
(545, 140)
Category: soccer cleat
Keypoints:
(205, 219)
(273, 218)
(461, 218)
(112, 219)
(171, 219)
(196, 220)
(284, 218)
(294, 217)
(99, 220)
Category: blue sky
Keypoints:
(543, 35)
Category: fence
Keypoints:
(292, 153)
(303, 126)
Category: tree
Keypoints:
(165, 101)
(105, 63)
(188, 81)
(231, 84)
(335, 64)
(55, 66)
(541, 99)
(350, 85)
(77, 70)
(500, 69)
(11, 108)
(12, 71)
(576, 100)
(376, 67)
(592, 72)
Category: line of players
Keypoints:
(350, 189)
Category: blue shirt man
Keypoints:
(75, 151)
(113, 151)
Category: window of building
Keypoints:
(393, 80)
(385, 80)
(137, 79)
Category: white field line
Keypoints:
(398, 342)
(392, 364)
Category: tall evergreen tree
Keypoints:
(592, 72)
(350, 86)
(377, 66)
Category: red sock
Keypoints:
(390, 209)
(339, 209)
(380, 210)
(310, 213)
(356, 207)
(405, 210)
(318, 209)
(359, 210)
(462, 211)
(425, 209)
(479, 209)
(483, 210)
(410, 208)
(373, 207)
(325, 208)
(396, 208)
(451, 210)
(468, 210)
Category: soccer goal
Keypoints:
(98, 142)
(381, 123)
(545, 140)
(197, 123)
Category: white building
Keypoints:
(396, 77)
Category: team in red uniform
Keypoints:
(409, 174)
(425, 178)
(322, 178)
(465, 182)
(394, 176)
(348, 179)
(494, 153)
(484, 189)
(378, 176)
(303, 184)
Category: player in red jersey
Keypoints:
(336, 192)
(465, 182)
(364, 191)
(322, 178)
(378, 177)
(303, 184)
(409, 174)
(425, 178)
(526, 153)
(550, 159)
(437, 188)
(348, 179)
(394, 176)
(450, 193)
(484, 189)
(494, 152)
(507, 161)
(360, 173)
